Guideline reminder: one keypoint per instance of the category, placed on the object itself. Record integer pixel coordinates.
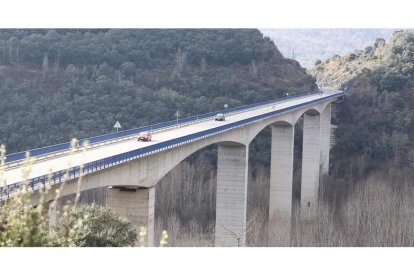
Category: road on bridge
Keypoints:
(61, 162)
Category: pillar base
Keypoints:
(137, 206)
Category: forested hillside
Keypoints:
(59, 84)
(376, 120)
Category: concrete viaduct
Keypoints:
(131, 170)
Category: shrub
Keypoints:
(93, 226)
(21, 225)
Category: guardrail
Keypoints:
(14, 159)
(59, 176)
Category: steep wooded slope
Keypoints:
(59, 84)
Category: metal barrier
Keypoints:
(59, 176)
(53, 150)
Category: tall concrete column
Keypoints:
(136, 205)
(310, 160)
(231, 199)
(51, 215)
(281, 171)
(325, 139)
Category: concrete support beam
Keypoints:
(136, 205)
(281, 172)
(325, 139)
(52, 218)
(51, 215)
(310, 160)
(232, 168)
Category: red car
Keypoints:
(144, 136)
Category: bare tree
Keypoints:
(254, 68)
(45, 64)
(180, 60)
(203, 64)
(57, 61)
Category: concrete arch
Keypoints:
(176, 162)
(312, 112)
(289, 118)
(147, 171)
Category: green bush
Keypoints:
(21, 225)
(93, 226)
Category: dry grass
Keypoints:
(377, 212)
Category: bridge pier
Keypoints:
(231, 201)
(281, 177)
(51, 215)
(311, 156)
(325, 139)
(136, 205)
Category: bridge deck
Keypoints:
(44, 167)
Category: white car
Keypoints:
(144, 136)
(220, 117)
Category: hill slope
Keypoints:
(335, 72)
(55, 85)
(376, 120)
